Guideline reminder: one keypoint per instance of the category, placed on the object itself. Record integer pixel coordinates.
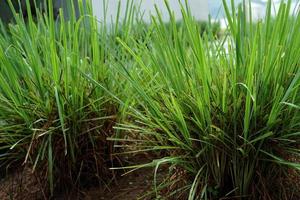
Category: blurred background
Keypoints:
(201, 9)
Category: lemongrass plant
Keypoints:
(227, 119)
(53, 119)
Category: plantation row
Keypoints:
(79, 99)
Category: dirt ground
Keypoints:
(136, 185)
(21, 185)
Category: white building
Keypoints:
(199, 8)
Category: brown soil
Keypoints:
(136, 185)
(293, 180)
(23, 185)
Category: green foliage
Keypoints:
(51, 117)
(228, 116)
(222, 112)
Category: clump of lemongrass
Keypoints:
(51, 117)
(227, 116)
